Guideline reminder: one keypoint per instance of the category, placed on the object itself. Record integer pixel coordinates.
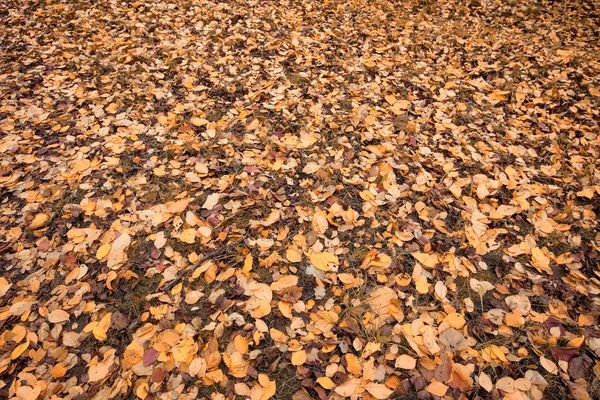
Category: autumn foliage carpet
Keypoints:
(338, 199)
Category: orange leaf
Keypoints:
(58, 371)
(20, 349)
(405, 361)
(437, 388)
(298, 357)
(326, 382)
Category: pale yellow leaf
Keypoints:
(485, 382)
(405, 361)
(58, 316)
(193, 297)
(97, 372)
(549, 365)
(211, 201)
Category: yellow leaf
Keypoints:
(349, 387)
(298, 357)
(293, 255)
(39, 221)
(576, 342)
(240, 344)
(103, 251)
(58, 316)
(428, 260)
(437, 388)
(370, 348)
(380, 300)
(102, 328)
(188, 235)
(540, 260)
(112, 108)
(326, 382)
(20, 349)
(237, 364)
(278, 336)
(324, 261)
(376, 261)
(247, 264)
(403, 104)
(269, 387)
(588, 192)
(263, 379)
(390, 98)
(4, 286)
(133, 353)
(117, 256)
(506, 210)
(455, 320)
(422, 285)
(142, 389)
(81, 165)
(545, 226)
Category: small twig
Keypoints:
(201, 261)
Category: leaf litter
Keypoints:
(299, 200)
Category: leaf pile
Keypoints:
(299, 199)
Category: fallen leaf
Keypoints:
(58, 316)
(324, 261)
(405, 361)
(485, 381)
(326, 382)
(188, 236)
(211, 201)
(437, 388)
(39, 221)
(299, 357)
(378, 390)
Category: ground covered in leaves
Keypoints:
(299, 199)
